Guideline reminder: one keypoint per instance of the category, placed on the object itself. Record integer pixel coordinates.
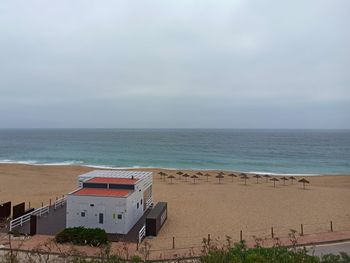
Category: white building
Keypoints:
(110, 199)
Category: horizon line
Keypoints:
(161, 128)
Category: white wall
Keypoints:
(110, 207)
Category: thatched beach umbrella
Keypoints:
(232, 175)
(179, 173)
(221, 173)
(161, 174)
(266, 177)
(284, 180)
(257, 176)
(304, 181)
(186, 176)
(199, 173)
(207, 175)
(292, 178)
(274, 179)
(171, 177)
(245, 177)
(194, 177)
(220, 176)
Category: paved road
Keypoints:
(335, 248)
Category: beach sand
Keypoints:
(196, 210)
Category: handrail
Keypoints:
(60, 202)
(149, 202)
(142, 233)
(19, 221)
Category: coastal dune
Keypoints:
(196, 210)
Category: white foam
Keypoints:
(81, 163)
(282, 174)
(6, 161)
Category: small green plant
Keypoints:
(136, 259)
(82, 236)
(239, 253)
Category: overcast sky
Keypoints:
(180, 64)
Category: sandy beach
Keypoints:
(196, 210)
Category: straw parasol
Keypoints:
(274, 179)
(221, 173)
(186, 176)
(220, 176)
(292, 178)
(232, 175)
(207, 175)
(179, 173)
(171, 177)
(284, 180)
(266, 177)
(161, 174)
(199, 173)
(194, 177)
(257, 176)
(304, 181)
(244, 177)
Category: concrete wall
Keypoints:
(85, 210)
(131, 209)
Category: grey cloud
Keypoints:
(175, 63)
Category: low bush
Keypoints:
(239, 253)
(82, 236)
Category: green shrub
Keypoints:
(239, 253)
(82, 236)
(136, 259)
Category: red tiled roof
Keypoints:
(112, 180)
(103, 192)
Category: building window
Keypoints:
(92, 205)
(100, 218)
(137, 205)
(141, 201)
(82, 214)
(119, 216)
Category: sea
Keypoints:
(298, 152)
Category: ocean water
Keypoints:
(266, 151)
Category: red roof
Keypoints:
(112, 180)
(103, 192)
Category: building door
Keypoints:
(100, 218)
(120, 220)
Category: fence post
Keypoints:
(173, 242)
(241, 236)
(137, 245)
(301, 230)
(331, 226)
(272, 234)
(208, 239)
